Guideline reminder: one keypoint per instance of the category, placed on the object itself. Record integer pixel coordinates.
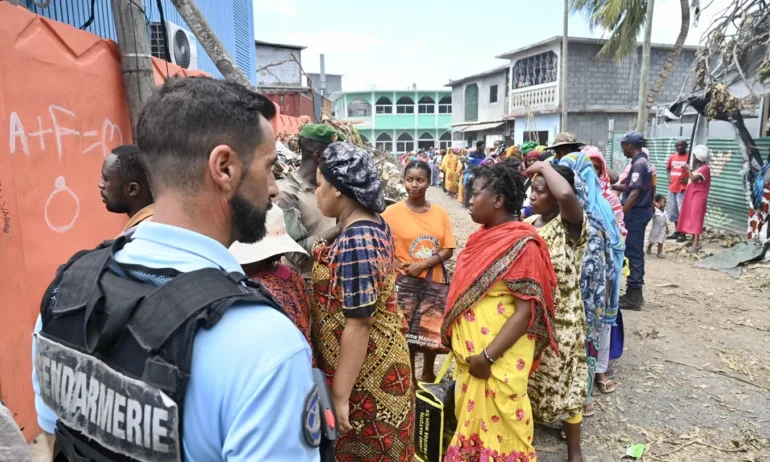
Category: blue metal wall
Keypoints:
(231, 20)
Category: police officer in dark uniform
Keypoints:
(637, 202)
(156, 347)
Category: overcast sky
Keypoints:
(429, 42)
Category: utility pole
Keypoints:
(644, 77)
(135, 57)
(210, 42)
(563, 83)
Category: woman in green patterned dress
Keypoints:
(557, 389)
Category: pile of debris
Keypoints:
(289, 158)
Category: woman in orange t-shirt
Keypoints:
(423, 236)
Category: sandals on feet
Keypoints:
(606, 386)
(589, 409)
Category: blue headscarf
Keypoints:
(599, 211)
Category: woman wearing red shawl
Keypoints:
(498, 322)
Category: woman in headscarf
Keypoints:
(498, 321)
(603, 173)
(532, 157)
(605, 375)
(449, 167)
(695, 197)
(601, 268)
(357, 328)
(558, 387)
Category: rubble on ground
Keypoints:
(384, 161)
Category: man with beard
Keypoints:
(124, 187)
(156, 346)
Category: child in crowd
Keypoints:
(658, 231)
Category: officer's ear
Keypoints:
(226, 169)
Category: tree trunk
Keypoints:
(563, 80)
(673, 57)
(210, 42)
(644, 77)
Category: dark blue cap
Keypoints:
(633, 138)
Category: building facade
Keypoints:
(333, 82)
(479, 107)
(602, 93)
(231, 20)
(400, 120)
(280, 65)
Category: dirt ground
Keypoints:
(694, 380)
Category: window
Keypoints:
(445, 142)
(471, 103)
(359, 108)
(445, 105)
(384, 142)
(405, 143)
(540, 136)
(405, 105)
(426, 141)
(535, 70)
(493, 93)
(384, 106)
(426, 105)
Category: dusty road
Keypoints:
(694, 380)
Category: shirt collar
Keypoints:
(304, 185)
(184, 244)
(640, 155)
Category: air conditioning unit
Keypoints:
(181, 42)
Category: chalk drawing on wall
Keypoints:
(60, 186)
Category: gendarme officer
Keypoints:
(155, 347)
(637, 201)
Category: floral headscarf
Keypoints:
(604, 180)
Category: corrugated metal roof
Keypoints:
(727, 200)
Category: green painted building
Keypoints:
(398, 120)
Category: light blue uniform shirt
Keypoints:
(250, 373)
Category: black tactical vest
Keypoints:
(113, 357)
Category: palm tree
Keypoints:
(625, 19)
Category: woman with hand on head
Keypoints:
(498, 321)
(424, 239)
(357, 328)
(560, 220)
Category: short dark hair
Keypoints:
(479, 144)
(419, 165)
(187, 117)
(129, 165)
(566, 173)
(505, 179)
(307, 146)
(659, 197)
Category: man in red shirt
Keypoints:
(677, 183)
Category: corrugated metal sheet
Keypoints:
(231, 20)
(727, 200)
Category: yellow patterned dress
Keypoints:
(355, 277)
(557, 389)
(492, 414)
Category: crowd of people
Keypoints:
(226, 288)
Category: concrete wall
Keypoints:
(600, 83)
(593, 127)
(543, 122)
(333, 83)
(487, 111)
(287, 74)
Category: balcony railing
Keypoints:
(546, 95)
(360, 121)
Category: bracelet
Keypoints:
(488, 358)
